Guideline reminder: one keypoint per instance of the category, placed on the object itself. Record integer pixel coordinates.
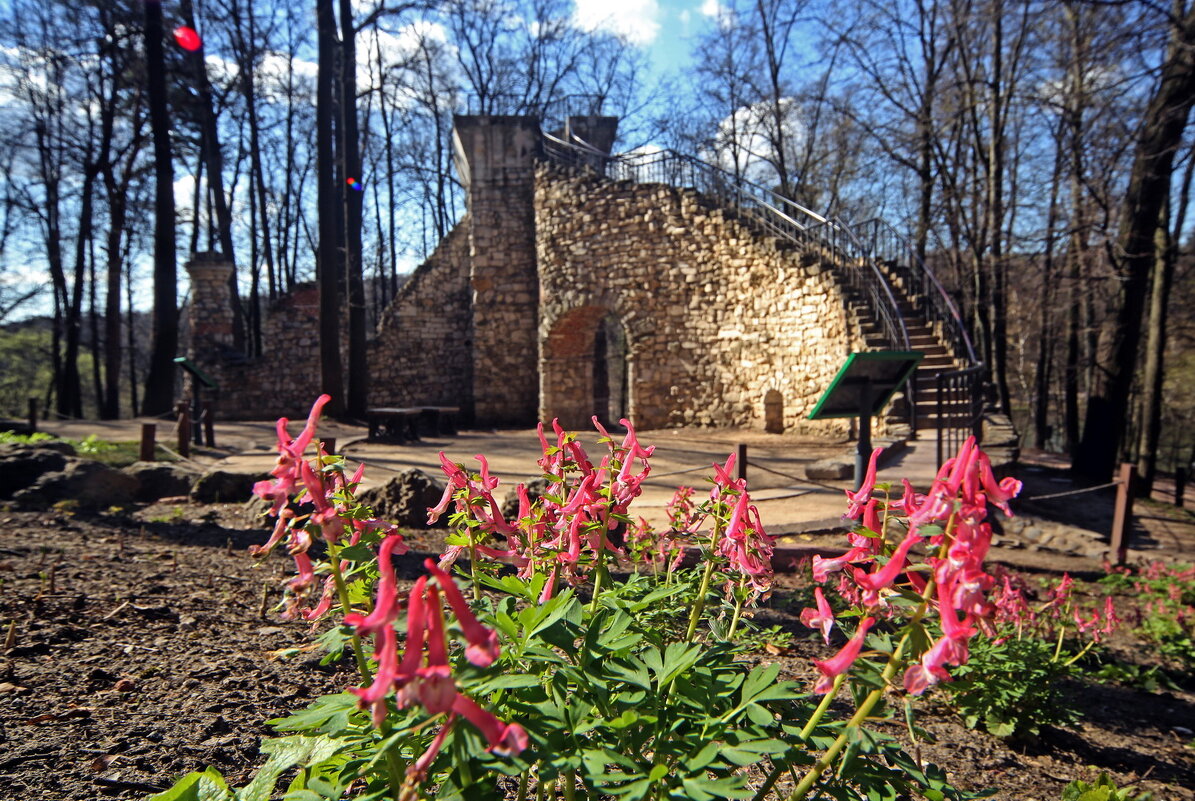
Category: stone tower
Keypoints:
(495, 157)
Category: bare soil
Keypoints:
(143, 645)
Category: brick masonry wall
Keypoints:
(716, 315)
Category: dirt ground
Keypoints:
(142, 644)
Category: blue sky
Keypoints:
(664, 28)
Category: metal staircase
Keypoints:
(899, 302)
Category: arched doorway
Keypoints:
(584, 368)
(610, 371)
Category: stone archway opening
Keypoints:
(610, 371)
(585, 369)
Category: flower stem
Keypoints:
(599, 572)
(738, 613)
(342, 592)
(699, 605)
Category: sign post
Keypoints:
(862, 388)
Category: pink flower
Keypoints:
(859, 498)
(385, 610)
(841, 662)
(872, 583)
(504, 738)
(820, 618)
(482, 648)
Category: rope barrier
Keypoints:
(791, 477)
(1073, 492)
(681, 472)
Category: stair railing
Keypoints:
(899, 259)
(959, 408)
(769, 211)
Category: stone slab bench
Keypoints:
(441, 419)
(406, 423)
(392, 422)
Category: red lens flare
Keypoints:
(187, 38)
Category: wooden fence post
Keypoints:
(32, 415)
(1122, 516)
(1180, 485)
(329, 445)
(742, 460)
(209, 424)
(184, 430)
(149, 434)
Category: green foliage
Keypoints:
(1104, 789)
(1164, 596)
(25, 354)
(1011, 688)
(10, 437)
(1150, 678)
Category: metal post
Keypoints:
(863, 448)
(184, 430)
(32, 415)
(1122, 515)
(149, 433)
(741, 459)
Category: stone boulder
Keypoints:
(22, 465)
(161, 479)
(405, 499)
(87, 483)
(225, 486)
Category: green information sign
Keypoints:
(862, 388)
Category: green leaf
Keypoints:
(358, 553)
(285, 753)
(206, 786)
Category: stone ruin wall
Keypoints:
(716, 315)
(284, 380)
(422, 352)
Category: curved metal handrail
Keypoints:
(890, 247)
(774, 213)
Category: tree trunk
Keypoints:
(358, 378)
(1160, 135)
(1155, 348)
(329, 266)
(159, 383)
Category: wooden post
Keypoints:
(742, 460)
(32, 415)
(1180, 485)
(1122, 516)
(329, 445)
(209, 424)
(149, 435)
(184, 430)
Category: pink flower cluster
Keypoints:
(423, 675)
(664, 550)
(561, 533)
(744, 543)
(329, 494)
(951, 519)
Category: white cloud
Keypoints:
(712, 8)
(636, 20)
